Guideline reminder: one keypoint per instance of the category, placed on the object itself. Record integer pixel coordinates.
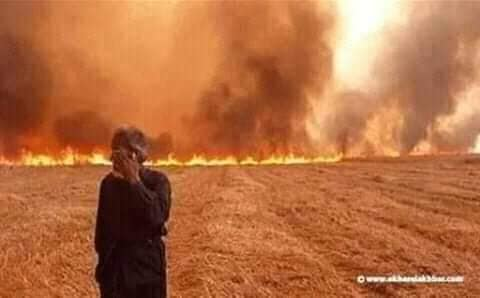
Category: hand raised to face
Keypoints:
(126, 163)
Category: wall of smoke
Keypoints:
(242, 78)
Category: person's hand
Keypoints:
(127, 165)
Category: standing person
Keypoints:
(133, 207)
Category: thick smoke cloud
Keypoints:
(58, 87)
(345, 120)
(419, 75)
(430, 63)
(85, 131)
(233, 77)
(275, 59)
(460, 130)
(25, 79)
(161, 146)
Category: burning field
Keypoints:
(260, 231)
(243, 79)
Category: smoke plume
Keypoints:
(275, 60)
(85, 131)
(233, 78)
(345, 119)
(24, 91)
(430, 64)
(419, 75)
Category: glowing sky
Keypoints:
(361, 25)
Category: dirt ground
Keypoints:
(270, 231)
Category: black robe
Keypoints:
(130, 224)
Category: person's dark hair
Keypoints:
(131, 139)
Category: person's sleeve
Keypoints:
(99, 224)
(151, 204)
(166, 195)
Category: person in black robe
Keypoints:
(133, 208)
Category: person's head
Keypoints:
(132, 140)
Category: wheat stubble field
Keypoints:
(269, 231)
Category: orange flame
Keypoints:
(69, 157)
(199, 160)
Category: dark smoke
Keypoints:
(84, 131)
(25, 86)
(50, 74)
(275, 59)
(161, 146)
(429, 63)
(25, 79)
(345, 122)
(70, 71)
(421, 71)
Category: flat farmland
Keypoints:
(260, 231)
